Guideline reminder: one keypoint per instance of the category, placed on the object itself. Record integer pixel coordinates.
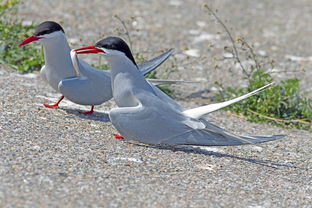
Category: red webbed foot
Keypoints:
(54, 105)
(88, 112)
(117, 136)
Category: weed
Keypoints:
(283, 104)
(102, 66)
(12, 31)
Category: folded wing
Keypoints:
(213, 135)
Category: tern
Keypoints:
(88, 86)
(149, 116)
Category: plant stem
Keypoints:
(231, 38)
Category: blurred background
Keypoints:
(280, 33)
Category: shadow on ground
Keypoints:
(96, 116)
(199, 150)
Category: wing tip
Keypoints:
(171, 50)
(262, 139)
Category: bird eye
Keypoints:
(43, 32)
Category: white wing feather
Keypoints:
(203, 110)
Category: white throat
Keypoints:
(57, 52)
(121, 63)
(58, 63)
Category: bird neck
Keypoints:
(126, 77)
(121, 65)
(57, 55)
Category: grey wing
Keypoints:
(152, 64)
(81, 91)
(92, 87)
(153, 121)
(166, 82)
(91, 72)
(164, 97)
(213, 135)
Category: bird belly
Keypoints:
(144, 125)
(83, 91)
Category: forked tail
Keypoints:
(203, 110)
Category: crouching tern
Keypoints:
(88, 86)
(148, 115)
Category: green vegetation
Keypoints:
(102, 66)
(6, 5)
(12, 31)
(283, 104)
(30, 58)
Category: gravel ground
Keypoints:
(59, 158)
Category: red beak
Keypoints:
(29, 40)
(89, 49)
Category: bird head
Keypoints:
(44, 31)
(110, 46)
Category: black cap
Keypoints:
(47, 28)
(116, 43)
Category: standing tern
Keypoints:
(89, 86)
(149, 117)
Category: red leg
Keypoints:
(89, 112)
(117, 136)
(54, 105)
